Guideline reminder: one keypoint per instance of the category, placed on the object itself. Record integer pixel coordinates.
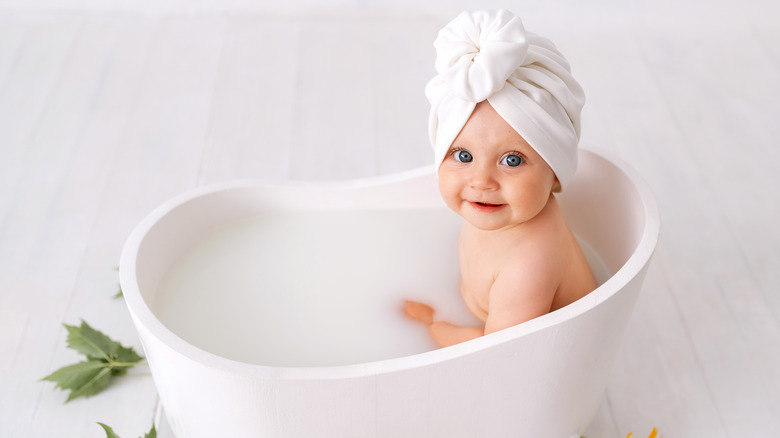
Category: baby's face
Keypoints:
(491, 176)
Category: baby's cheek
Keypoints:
(447, 191)
(452, 200)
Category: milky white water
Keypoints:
(317, 288)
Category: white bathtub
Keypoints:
(544, 378)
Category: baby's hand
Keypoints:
(419, 312)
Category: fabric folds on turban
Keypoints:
(488, 55)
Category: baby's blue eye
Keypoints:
(463, 156)
(512, 160)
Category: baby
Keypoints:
(504, 125)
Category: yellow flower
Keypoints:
(652, 434)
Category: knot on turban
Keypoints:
(477, 53)
(488, 55)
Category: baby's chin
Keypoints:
(491, 225)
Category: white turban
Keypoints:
(489, 55)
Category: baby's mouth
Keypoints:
(486, 206)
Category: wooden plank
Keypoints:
(139, 101)
(11, 38)
(160, 154)
(12, 34)
(333, 135)
(52, 217)
(721, 307)
(251, 124)
(28, 295)
(658, 376)
(603, 425)
(110, 57)
(727, 112)
(402, 63)
(32, 67)
(767, 36)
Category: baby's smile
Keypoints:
(486, 207)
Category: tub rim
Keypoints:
(144, 317)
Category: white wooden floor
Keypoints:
(107, 112)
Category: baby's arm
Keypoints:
(517, 295)
(522, 293)
(443, 333)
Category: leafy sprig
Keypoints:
(111, 434)
(106, 359)
(119, 293)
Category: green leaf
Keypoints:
(106, 359)
(96, 345)
(82, 379)
(90, 342)
(119, 293)
(152, 433)
(109, 432)
(127, 355)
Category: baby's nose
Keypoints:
(483, 178)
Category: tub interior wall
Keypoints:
(602, 206)
(185, 224)
(317, 287)
(179, 230)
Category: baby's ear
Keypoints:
(556, 188)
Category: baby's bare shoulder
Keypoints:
(533, 259)
(544, 243)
